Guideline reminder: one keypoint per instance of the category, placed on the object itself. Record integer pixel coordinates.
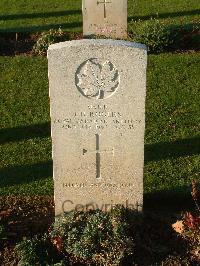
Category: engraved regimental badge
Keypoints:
(97, 79)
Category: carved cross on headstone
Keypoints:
(98, 155)
(105, 2)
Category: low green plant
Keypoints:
(93, 237)
(153, 33)
(97, 237)
(48, 38)
(36, 251)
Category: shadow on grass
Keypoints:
(178, 148)
(25, 174)
(175, 200)
(41, 28)
(40, 15)
(76, 12)
(24, 133)
(153, 152)
(166, 15)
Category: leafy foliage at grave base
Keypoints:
(97, 237)
(159, 37)
(48, 38)
(37, 251)
(152, 33)
(92, 238)
(121, 237)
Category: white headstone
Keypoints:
(105, 18)
(97, 95)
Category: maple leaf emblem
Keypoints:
(97, 79)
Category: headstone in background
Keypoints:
(97, 95)
(105, 18)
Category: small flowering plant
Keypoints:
(189, 226)
(48, 38)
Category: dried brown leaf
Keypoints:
(178, 227)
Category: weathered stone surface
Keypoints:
(105, 17)
(97, 95)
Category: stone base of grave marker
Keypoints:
(97, 95)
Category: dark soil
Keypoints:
(23, 217)
(12, 44)
(16, 43)
(186, 40)
(26, 216)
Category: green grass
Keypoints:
(38, 15)
(172, 124)
(172, 138)
(26, 150)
